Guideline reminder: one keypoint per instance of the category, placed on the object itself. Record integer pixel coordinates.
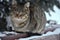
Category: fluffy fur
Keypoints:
(27, 18)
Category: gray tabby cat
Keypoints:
(26, 18)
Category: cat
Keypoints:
(27, 17)
(20, 16)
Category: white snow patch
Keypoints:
(0, 39)
(2, 35)
(10, 32)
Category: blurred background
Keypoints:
(55, 16)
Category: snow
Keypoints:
(0, 39)
(2, 35)
(57, 31)
(54, 15)
(9, 32)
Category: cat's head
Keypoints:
(20, 10)
(20, 13)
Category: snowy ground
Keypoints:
(57, 31)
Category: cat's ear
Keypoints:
(14, 2)
(27, 5)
